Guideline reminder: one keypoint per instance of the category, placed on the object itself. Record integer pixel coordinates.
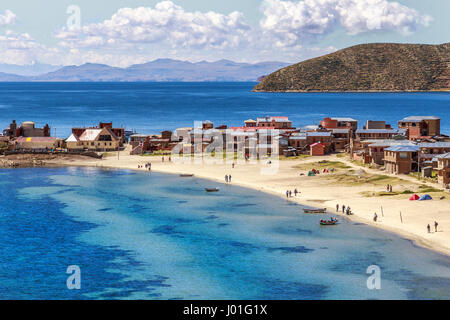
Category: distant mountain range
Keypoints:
(34, 69)
(160, 70)
(367, 67)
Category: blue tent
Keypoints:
(425, 197)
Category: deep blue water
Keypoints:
(138, 235)
(153, 107)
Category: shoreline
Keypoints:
(244, 179)
(170, 168)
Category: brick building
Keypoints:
(421, 126)
(401, 159)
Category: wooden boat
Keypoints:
(324, 210)
(331, 222)
(186, 175)
(212, 189)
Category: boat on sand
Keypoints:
(212, 189)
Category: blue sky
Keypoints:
(243, 30)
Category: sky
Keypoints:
(125, 32)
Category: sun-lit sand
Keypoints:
(348, 185)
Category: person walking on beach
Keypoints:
(428, 228)
(290, 194)
(337, 208)
(375, 217)
(295, 192)
(232, 166)
(436, 226)
(287, 193)
(162, 159)
(226, 178)
(343, 208)
(229, 178)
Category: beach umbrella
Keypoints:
(425, 197)
(414, 197)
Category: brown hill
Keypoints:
(367, 67)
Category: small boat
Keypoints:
(324, 210)
(186, 175)
(331, 222)
(212, 189)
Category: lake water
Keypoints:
(153, 107)
(138, 235)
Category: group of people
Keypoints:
(228, 178)
(388, 188)
(289, 193)
(147, 166)
(163, 159)
(435, 227)
(347, 210)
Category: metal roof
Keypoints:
(319, 134)
(344, 119)
(442, 156)
(388, 143)
(340, 130)
(376, 131)
(419, 118)
(403, 149)
(435, 145)
(90, 134)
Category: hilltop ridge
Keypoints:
(367, 67)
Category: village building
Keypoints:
(274, 122)
(338, 123)
(119, 133)
(340, 138)
(444, 169)
(250, 123)
(317, 136)
(37, 144)
(375, 149)
(94, 140)
(297, 140)
(317, 149)
(401, 159)
(421, 126)
(72, 143)
(26, 129)
(366, 134)
(372, 124)
(428, 151)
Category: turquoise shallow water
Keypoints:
(153, 236)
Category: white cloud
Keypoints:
(137, 35)
(8, 17)
(293, 23)
(167, 23)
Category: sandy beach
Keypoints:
(361, 188)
